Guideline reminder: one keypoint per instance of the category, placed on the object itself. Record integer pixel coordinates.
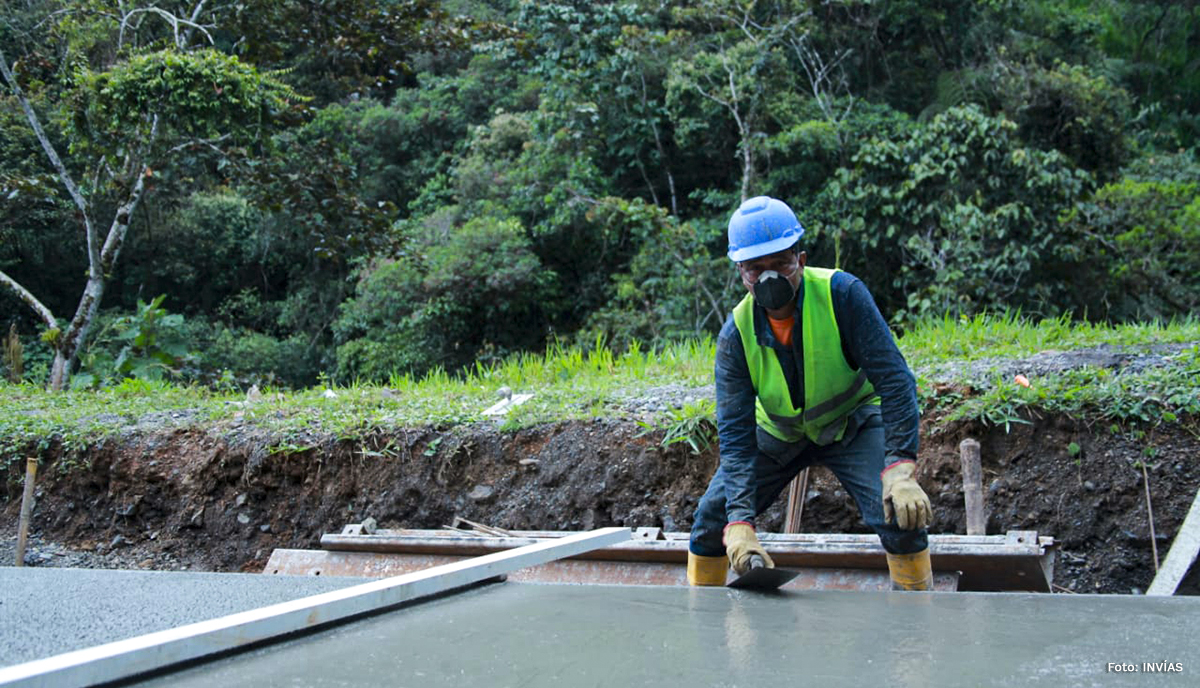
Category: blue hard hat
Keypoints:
(762, 226)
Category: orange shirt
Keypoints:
(783, 329)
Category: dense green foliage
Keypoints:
(365, 189)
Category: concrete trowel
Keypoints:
(760, 577)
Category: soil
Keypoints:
(171, 496)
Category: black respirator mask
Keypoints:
(773, 290)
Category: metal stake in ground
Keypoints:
(795, 507)
(26, 508)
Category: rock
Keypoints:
(131, 508)
(117, 542)
(668, 523)
(1089, 486)
(369, 525)
(481, 493)
(197, 520)
(241, 499)
(243, 518)
(266, 528)
(528, 462)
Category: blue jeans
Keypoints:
(857, 462)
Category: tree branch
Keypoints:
(63, 174)
(187, 34)
(662, 154)
(30, 300)
(175, 22)
(124, 214)
(210, 143)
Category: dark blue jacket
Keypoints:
(867, 343)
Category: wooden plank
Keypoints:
(972, 478)
(498, 532)
(127, 658)
(1182, 555)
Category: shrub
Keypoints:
(150, 344)
(256, 358)
(1142, 239)
(956, 217)
(1071, 109)
(457, 291)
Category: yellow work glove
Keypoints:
(904, 499)
(740, 544)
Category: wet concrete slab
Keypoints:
(551, 636)
(48, 611)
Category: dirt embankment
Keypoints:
(207, 499)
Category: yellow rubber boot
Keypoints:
(911, 571)
(706, 570)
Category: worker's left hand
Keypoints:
(904, 499)
(740, 544)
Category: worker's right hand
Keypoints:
(740, 544)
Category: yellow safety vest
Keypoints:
(832, 389)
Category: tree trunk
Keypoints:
(58, 372)
(747, 167)
(69, 342)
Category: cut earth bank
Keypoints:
(176, 495)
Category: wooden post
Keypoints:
(26, 507)
(795, 507)
(1182, 554)
(972, 476)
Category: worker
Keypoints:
(807, 373)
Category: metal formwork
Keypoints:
(1018, 560)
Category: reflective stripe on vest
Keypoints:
(832, 389)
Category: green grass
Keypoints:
(1127, 401)
(578, 383)
(1149, 397)
(566, 383)
(1009, 335)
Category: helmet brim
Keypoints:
(764, 249)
